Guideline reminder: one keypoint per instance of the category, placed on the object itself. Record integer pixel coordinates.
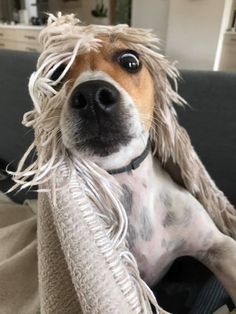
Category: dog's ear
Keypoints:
(173, 148)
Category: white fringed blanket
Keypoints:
(84, 265)
(83, 262)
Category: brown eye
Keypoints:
(129, 60)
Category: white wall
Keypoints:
(151, 14)
(193, 32)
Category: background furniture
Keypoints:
(20, 37)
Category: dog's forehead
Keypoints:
(102, 59)
(106, 51)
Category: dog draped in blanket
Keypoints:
(102, 93)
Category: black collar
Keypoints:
(135, 163)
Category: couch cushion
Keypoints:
(16, 68)
(211, 123)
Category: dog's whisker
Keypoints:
(154, 122)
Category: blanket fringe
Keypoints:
(88, 188)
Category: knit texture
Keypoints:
(80, 270)
(18, 259)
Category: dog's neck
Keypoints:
(136, 148)
(143, 173)
(135, 163)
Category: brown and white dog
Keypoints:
(116, 98)
(108, 118)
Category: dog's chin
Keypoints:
(103, 146)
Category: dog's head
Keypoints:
(110, 102)
(99, 93)
(105, 84)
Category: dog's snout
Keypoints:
(99, 117)
(97, 94)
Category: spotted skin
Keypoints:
(170, 219)
(173, 219)
(166, 199)
(127, 198)
(146, 228)
(167, 222)
(132, 235)
(144, 184)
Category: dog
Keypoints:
(116, 111)
(108, 118)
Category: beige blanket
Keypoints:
(81, 269)
(18, 258)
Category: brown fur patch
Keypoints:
(139, 85)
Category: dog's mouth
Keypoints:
(101, 135)
(101, 122)
(103, 145)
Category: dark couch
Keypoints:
(15, 70)
(210, 120)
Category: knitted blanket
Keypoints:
(18, 258)
(83, 262)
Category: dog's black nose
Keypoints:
(97, 94)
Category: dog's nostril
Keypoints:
(95, 96)
(106, 98)
(79, 101)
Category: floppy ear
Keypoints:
(172, 146)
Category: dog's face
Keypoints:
(110, 101)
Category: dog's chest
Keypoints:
(147, 200)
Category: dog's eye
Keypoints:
(57, 73)
(129, 60)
